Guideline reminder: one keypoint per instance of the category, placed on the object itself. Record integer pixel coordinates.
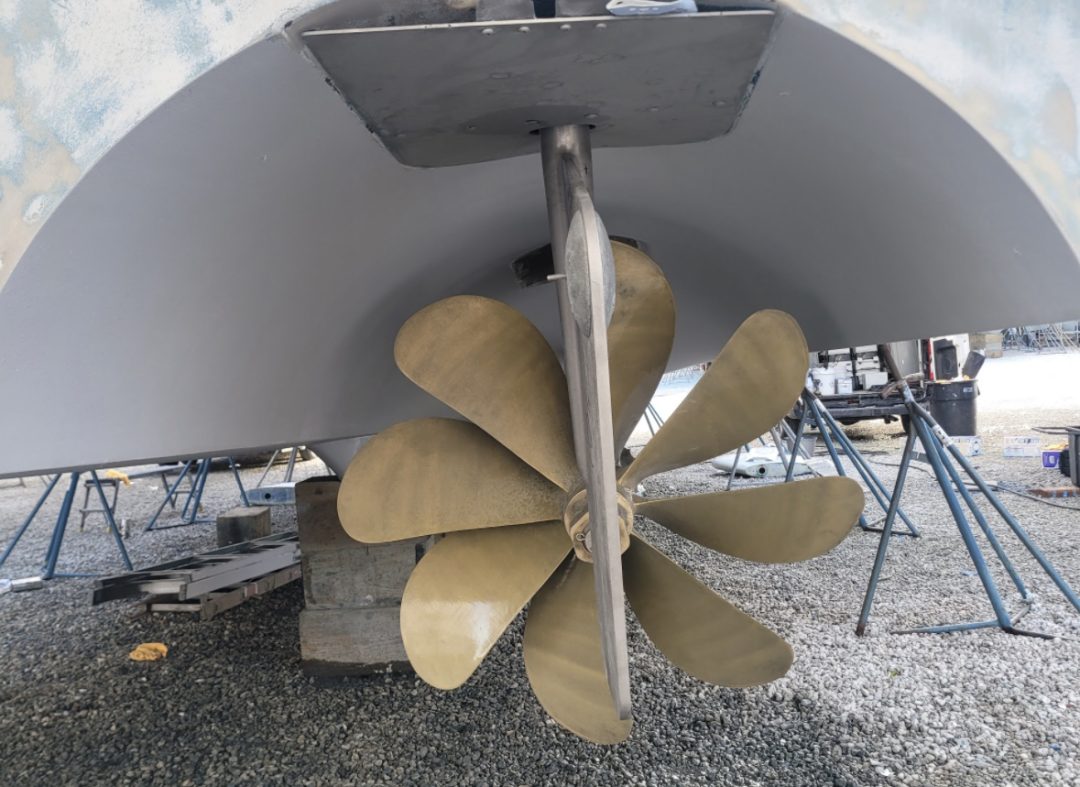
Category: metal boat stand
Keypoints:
(190, 513)
(282, 493)
(938, 447)
(289, 468)
(778, 434)
(832, 434)
(652, 419)
(52, 555)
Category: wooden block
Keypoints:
(338, 642)
(352, 591)
(316, 517)
(364, 576)
(243, 524)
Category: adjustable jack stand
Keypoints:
(189, 514)
(938, 447)
(831, 434)
(53, 553)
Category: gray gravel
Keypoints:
(230, 705)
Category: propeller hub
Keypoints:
(576, 520)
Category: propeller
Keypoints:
(506, 488)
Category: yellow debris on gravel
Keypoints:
(122, 477)
(149, 651)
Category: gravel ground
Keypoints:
(230, 705)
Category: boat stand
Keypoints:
(52, 555)
(282, 493)
(190, 513)
(832, 434)
(652, 419)
(939, 447)
(289, 468)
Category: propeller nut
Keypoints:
(576, 520)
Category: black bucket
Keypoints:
(1074, 454)
(953, 406)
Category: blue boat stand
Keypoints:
(939, 447)
(831, 435)
(190, 513)
(52, 555)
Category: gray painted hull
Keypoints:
(231, 275)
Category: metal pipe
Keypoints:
(169, 494)
(53, 553)
(809, 401)
(886, 533)
(790, 434)
(849, 451)
(920, 419)
(292, 464)
(735, 464)
(240, 484)
(191, 490)
(781, 452)
(981, 520)
(873, 482)
(796, 440)
(927, 438)
(29, 519)
(1010, 520)
(650, 416)
(111, 519)
(266, 471)
(951, 627)
(195, 498)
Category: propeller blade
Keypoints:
(640, 335)
(782, 523)
(750, 386)
(696, 629)
(563, 657)
(437, 475)
(465, 592)
(489, 363)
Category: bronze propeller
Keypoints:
(505, 488)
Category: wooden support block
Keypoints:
(357, 577)
(352, 591)
(243, 524)
(340, 642)
(317, 521)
